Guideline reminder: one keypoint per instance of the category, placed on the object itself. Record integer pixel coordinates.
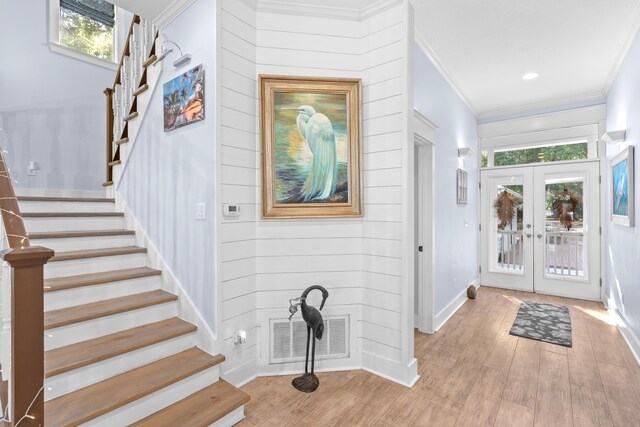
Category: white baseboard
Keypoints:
(632, 340)
(406, 375)
(445, 314)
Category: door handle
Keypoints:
(539, 236)
(528, 235)
(420, 249)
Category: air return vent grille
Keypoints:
(288, 340)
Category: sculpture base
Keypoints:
(308, 383)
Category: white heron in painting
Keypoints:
(317, 130)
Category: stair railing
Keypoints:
(22, 307)
(131, 76)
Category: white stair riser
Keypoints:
(231, 419)
(82, 331)
(82, 243)
(74, 223)
(156, 401)
(94, 265)
(82, 377)
(39, 206)
(88, 294)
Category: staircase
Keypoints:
(117, 351)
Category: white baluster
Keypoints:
(135, 57)
(126, 86)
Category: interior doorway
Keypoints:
(551, 241)
(424, 227)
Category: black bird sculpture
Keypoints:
(309, 382)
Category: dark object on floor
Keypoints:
(543, 322)
(309, 382)
(472, 292)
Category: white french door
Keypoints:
(551, 244)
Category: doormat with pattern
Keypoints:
(543, 322)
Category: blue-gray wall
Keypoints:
(168, 173)
(623, 243)
(456, 244)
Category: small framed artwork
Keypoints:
(183, 99)
(462, 186)
(622, 188)
(311, 147)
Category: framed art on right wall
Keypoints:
(622, 188)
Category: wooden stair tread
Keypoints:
(68, 282)
(94, 310)
(122, 141)
(74, 356)
(83, 405)
(94, 253)
(69, 214)
(114, 163)
(79, 233)
(64, 199)
(141, 89)
(150, 61)
(131, 116)
(107, 183)
(202, 408)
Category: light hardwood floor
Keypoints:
(472, 372)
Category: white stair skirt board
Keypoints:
(55, 206)
(73, 223)
(82, 377)
(451, 308)
(90, 329)
(65, 244)
(94, 293)
(54, 192)
(406, 375)
(205, 338)
(94, 265)
(632, 340)
(152, 403)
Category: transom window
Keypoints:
(578, 150)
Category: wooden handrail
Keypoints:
(13, 223)
(113, 151)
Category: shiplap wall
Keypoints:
(267, 262)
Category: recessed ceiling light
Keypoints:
(530, 76)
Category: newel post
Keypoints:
(110, 119)
(27, 333)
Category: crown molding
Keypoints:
(318, 10)
(596, 97)
(634, 27)
(171, 12)
(430, 53)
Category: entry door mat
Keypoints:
(543, 322)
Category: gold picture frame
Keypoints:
(311, 147)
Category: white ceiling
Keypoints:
(486, 46)
(483, 47)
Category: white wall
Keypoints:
(456, 259)
(168, 173)
(264, 263)
(623, 243)
(51, 106)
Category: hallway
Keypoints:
(472, 372)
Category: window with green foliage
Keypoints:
(545, 154)
(88, 26)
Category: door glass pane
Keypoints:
(508, 211)
(565, 248)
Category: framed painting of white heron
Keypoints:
(311, 147)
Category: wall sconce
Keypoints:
(615, 137)
(183, 59)
(465, 152)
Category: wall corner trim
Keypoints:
(406, 375)
(171, 12)
(630, 338)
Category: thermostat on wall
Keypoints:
(230, 210)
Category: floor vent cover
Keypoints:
(288, 340)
